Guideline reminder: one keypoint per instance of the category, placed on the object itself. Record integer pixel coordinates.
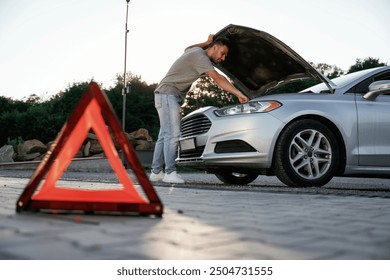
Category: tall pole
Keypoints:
(125, 88)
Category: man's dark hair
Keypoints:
(221, 41)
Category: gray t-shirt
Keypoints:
(185, 70)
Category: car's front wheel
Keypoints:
(306, 154)
(235, 178)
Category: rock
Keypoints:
(32, 156)
(143, 145)
(32, 146)
(92, 144)
(87, 148)
(7, 154)
(142, 134)
(79, 154)
(95, 147)
(48, 145)
(19, 158)
(131, 139)
(140, 140)
(92, 136)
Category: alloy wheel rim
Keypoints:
(310, 154)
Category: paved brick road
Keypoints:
(202, 223)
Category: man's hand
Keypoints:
(210, 39)
(223, 83)
(204, 44)
(243, 99)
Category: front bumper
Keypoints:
(238, 142)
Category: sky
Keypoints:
(47, 45)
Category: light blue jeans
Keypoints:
(165, 151)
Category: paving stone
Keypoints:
(201, 223)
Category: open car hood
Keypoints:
(258, 62)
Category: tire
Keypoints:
(306, 154)
(235, 178)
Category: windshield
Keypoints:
(339, 82)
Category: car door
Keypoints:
(373, 125)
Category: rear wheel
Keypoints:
(306, 154)
(236, 178)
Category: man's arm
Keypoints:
(204, 44)
(223, 83)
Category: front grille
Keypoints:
(195, 125)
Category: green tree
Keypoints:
(330, 71)
(140, 110)
(13, 114)
(206, 93)
(33, 99)
(5, 104)
(367, 63)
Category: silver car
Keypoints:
(338, 127)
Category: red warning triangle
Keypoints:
(89, 114)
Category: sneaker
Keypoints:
(157, 177)
(173, 178)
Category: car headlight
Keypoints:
(248, 108)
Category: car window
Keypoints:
(363, 86)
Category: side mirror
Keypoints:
(377, 88)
